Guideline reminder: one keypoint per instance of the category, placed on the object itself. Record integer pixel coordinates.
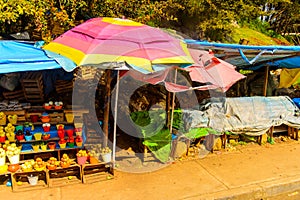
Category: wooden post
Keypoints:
(106, 107)
(266, 81)
(238, 89)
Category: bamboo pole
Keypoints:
(266, 81)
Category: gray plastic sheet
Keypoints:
(245, 115)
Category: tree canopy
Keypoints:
(200, 19)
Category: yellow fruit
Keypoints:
(19, 183)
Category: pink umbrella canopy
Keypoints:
(102, 40)
(207, 69)
(210, 69)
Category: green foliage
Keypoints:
(38, 16)
(254, 37)
(149, 122)
(156, 137)
(177, 120)
(199, 19)
(140, 118)
(160, 144)
(262, 27)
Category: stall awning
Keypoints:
(252, 57)
(16, 56)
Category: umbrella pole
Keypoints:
(106, 108)
(173, 143)
(173, 104)
(115, 121)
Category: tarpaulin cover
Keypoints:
(248, 115)
(289, 77)
(293, 62)
(297, 101)
(20, 56)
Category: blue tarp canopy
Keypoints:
(252, 57)
(16, 56)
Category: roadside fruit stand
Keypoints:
(41, 146)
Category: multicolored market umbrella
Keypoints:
(103, 41)
(106, 40)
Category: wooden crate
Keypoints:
(27, 115)
(20, 113)
(56, 117)
(32, 85)
(86, 72)
(4, 178)
(21, 177)
(18, 94)
(97, 172)
(65, 176)
(62, 86)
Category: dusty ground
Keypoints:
(187, 178)
(129, 161)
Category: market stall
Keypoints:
(42, 140)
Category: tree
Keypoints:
(200, 19)
(284, 16)
(38, 17)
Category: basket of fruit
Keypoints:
(65, 161)
(93, 157)
(10, 132)
(82, 157)
(58, 105)
(27, 166)
(39, 164)
(46, 136)
(48, 105)
(13, 153)
(62, 143)
(52, 163)
(78, 141)
(106, 154)
(2, 118)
